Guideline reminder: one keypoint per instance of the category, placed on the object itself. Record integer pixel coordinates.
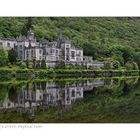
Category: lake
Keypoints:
(83, 100)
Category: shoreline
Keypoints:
(28, 74)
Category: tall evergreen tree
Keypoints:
(34, 62)
(43, 64)
(12, 56)
(3, 57)
(27, 26)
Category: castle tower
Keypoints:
(31, 36)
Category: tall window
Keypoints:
(57, 52)
(32, 52)
(52, 51)
(73, 54)
(8, 44)
(73, 93)
(40, 51)
(1, 44)
(79, 53)
(20, 46)
(27, 54)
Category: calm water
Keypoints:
(96, 100)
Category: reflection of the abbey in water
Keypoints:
(48, 94)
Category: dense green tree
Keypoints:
(3, 57)
(115, 64)
(13, 93)
(61, 65)
(23, 65)
(27, 63)
(34, 63)
(12, 56)
(131, 65)
(27, 26)
(43, 64)
(116, 38)
(137, 58)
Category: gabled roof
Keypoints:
(7, 39)
(21, 38)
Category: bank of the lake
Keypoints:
(9, 74)
(108, 100)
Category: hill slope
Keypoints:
(101, 37)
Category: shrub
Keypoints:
(3, 57)
(43, 64)
(23, 65)
(61, 65)
(116, 64)
(131, 65)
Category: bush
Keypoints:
(3, 57)
(30, 65)
(135, 65)
(61, 65)
(18, 63)
(131, 65)
(116, 64)
(23, 65)
(43, 64)
(9, 65)
(12, 56)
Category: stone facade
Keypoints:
(8, 43)
(62, 49)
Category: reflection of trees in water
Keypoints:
(33, 88)
(43, 85)
(27, 117)
(60, 109)
(13, 93)
(132, 81)
(61, 83)
(129, 84)
(3, 92)
(116, 81)
(113, 89)
(89, 94)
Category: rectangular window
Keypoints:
(72, 54)
(57, 58)
(73, 93)
(8, 44)
(27, 54)
(52, 51)
(56, 51)
(20, 46)
(67, 49)
(79, 53)
(40, 51)
(32, 52)
(67, 45)
(1, 44)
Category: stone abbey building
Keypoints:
(53, 53)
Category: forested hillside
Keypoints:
(104, 38)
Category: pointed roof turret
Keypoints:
(59, 38)
(31, 36)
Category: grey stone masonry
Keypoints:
(54, 52)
